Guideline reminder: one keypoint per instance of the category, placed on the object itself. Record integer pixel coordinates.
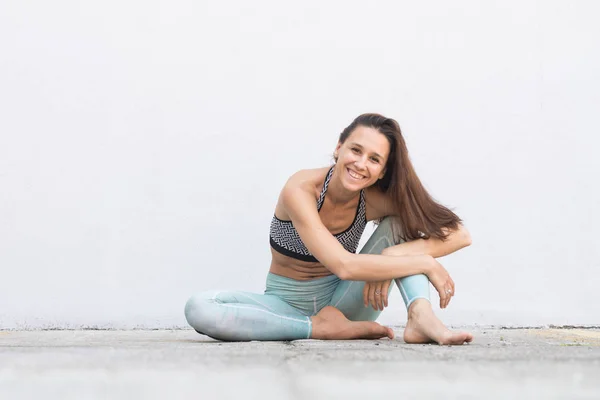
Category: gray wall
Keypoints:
(143, 145)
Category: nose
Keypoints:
(360, 163)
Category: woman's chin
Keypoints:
(355, 185)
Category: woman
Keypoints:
(317, 287)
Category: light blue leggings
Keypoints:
(283, 311)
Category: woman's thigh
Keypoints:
(242, 316)
(348, 296)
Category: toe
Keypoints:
(390, 333)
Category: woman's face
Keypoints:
(361, 159)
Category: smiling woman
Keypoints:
(317, 286)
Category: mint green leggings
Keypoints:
(283, 312)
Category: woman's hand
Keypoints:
(376, 294)
(441, 281)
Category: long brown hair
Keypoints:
(420, 216)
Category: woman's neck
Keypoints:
(337, 193)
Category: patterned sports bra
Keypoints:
(285, 239)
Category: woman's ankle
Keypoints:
(418, 307)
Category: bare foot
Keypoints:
(424, 327)
(331, 324)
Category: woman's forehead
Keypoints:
(370, 139)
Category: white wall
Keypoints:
(143, 145)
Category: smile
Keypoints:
(354, 175)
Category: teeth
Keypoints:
(355, 175)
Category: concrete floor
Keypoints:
(501, 363)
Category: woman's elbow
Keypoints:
(466, 237)
(344, 267)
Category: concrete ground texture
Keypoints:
(171, 364)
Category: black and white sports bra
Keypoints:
(285, 239)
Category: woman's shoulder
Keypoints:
(301, 183)
(307, 179)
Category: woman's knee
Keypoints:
(381, 238)
(386, 223)
(197, 310)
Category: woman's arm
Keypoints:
(434, 247)
(299, 203)
(380, 206)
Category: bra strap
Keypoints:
(324, 190)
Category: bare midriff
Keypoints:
(289, 267)
(336, 218)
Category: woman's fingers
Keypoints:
(446, 291)
(382, 298)
(366, 294)
(380, 295)
(442, 299)
(375, 294)
(443, 283)
(445, 296)
(372, 299)
(385, 290)
(452, 290)
(442, 293)
(449, 292)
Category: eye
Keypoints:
(375, 160)
(355, 150)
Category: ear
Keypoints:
(382, 173)
(337, 150)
